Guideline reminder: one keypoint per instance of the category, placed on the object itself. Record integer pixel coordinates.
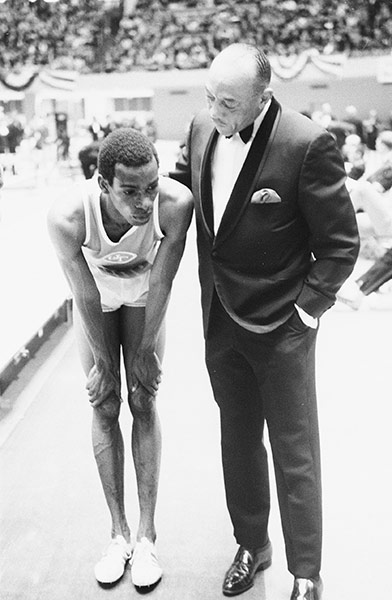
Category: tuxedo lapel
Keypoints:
(250, 171)
(207, 210)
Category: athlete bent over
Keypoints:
(119, 240)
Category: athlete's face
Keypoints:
(133, 191)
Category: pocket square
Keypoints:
(265, 196)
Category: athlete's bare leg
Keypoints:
(146, 430)
(107, 439)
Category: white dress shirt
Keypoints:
(227, 162)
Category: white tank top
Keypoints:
(133, 255)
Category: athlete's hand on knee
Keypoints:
(101, 382)
(147, 370)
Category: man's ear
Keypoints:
(103, 184)
(267, 94)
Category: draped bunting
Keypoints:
(64, 80)
(284, 67)
(18, 82)
(288, 68)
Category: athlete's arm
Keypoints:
(67, 231)
(175, 214)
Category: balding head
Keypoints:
(237, 87)
(244, 58)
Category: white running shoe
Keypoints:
(112, 564)
(145, 570)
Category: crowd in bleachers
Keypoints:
(40, 33)
(157, 37)
(157, 34)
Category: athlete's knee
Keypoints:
(109, 409)
(141, 402)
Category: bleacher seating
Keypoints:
(95, 36)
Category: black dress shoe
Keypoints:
(240, 576)
(307, 589)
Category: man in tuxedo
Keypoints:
(277, 237)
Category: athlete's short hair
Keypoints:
(126, 146)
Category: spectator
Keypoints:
(88, 157)
(3, 132)
(371, 128)
(353, 151)
(15, 132)
(353, 293)
(371, 195)
(95, 129)
(351, 116)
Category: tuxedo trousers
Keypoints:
(269, 378)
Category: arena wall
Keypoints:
(177, 95)
(171, 98)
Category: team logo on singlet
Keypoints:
(124, 264)
(120, 258)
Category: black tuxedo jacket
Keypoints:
(289, 232)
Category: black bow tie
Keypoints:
(245, 134)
